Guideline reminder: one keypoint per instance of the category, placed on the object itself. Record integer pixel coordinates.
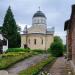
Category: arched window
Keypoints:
(38, 21)
(42, 41)
(29, 41)
(35, 41)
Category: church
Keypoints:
(38, 36)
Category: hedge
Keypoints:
(18, 50)
(39, 51)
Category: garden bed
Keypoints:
(35, 69)
(11, 58)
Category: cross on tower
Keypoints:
(39, 8)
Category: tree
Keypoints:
(57, 39)
(57, 47)
(10, 30)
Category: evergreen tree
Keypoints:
(10, 30)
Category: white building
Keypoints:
(3, 43)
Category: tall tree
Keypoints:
(10, 29)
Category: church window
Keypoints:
(35, 41)
(35, 21)
(38, 21)
(42, 41)
(41, 20)
(29, 41)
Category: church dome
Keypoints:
(39, 14)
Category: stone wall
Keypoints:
(37, 29)
(46, 39)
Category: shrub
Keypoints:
(18, 50)
(56, 49)
(39, 51)
(13, 54)
(48, 50)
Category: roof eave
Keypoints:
(66, 26)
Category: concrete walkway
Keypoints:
(58, 66)
(3, 72)
(61, 67)
(15, 69)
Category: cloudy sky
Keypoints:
(56, 11)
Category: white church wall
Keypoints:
(49, 39)
(38, 44)
(37, 29)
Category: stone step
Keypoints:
(3, 72)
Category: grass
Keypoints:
(35, 69)
(11, 58)
(14, 55)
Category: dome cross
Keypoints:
(39, 8)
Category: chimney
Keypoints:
(73, 9)
(73, 12)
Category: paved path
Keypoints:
(3, 72)
(68, 69)
(26, 63)
(61, 67)
(58, 67)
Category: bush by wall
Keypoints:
(18, 50)
(56, 49)
(39, 51)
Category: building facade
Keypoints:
(3, 43)
(70, 28)
(38, 36)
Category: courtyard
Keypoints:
(33, 40)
